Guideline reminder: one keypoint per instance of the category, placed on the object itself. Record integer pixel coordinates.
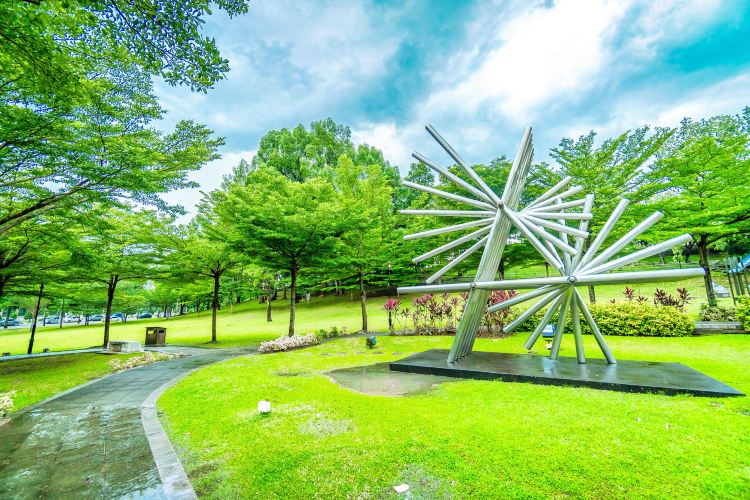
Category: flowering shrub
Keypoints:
(435, 315)
(286, 343)
(716, 313)
(743, 312)
(6, 403)
(146, 358)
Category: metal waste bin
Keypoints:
(156, 335)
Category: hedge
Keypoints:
(629, 319)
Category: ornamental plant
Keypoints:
(286, 343)
(6, 403)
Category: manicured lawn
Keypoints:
(245, 324)
(464, 438)
(37, 379)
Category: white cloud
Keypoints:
(386, 137)
(542, 53)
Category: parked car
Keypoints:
(117, 317)
(145, 315)
(96, 317)
(11, 322)
(51, 320)
(72, 319)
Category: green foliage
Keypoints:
(332, 332)
(743, 312)
(716, 313)
(639, 319)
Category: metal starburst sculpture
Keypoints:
(545, 224)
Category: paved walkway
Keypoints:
(90, 443)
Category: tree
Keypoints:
(278, 223)
(121, 247)
(48, 44)
(611, 171)
(700, 182)
(365, 197)
(198, 256)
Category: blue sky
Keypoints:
(478, 71)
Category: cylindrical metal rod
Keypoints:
(556, 227)
(622, 242)
(545, 235)
(450, 287)
(584, 226)
(551, 191)
(476, 246)
(460, 241)
(453, 154)
(518, 299)
(532, 310)
(516, 170)
(449, 229)
(619, 209)
(452, 177)
(594, 328)
(566, 257)
(567, 216)
(555, 263)
(561, 206)
(570, 192)
(640, 254)
(555, 351)
(524, 166)
(522, 284)
(634, 277)
(450, 196)
(545, 320)
(450, 213)
(576, 320)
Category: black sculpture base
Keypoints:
(626, 376)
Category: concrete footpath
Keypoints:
(90, 442)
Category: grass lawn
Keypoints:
(464, 438)
(245, 324)
(37, 379)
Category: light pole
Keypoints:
(390, 318)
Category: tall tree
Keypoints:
(610, 171)
(700, 182)
(279, 223)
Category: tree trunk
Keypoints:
(268, 309)
(62, 313)
(707, 280)
(363, 301)
(110, 297)
(501, 269)
(6, 318)
(592, 295)
(293, 301)
(215, 306)
(36, 315)
(283, 287)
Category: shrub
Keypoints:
(645, 320)
(146, 358)
(286, 343)
(332, 332)
(6, 403)
(628, 319)
(742, 311)
(717, 313)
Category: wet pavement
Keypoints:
(379, 380)
(90, 443)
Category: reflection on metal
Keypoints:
(548, 224)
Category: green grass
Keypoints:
(36, 379)
(245, 324)
(468, 438)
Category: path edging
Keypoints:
(173, 477)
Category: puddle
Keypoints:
(379, 380)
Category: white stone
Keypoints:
(401, 488)
(264, 406)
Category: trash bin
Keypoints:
(156, 335)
